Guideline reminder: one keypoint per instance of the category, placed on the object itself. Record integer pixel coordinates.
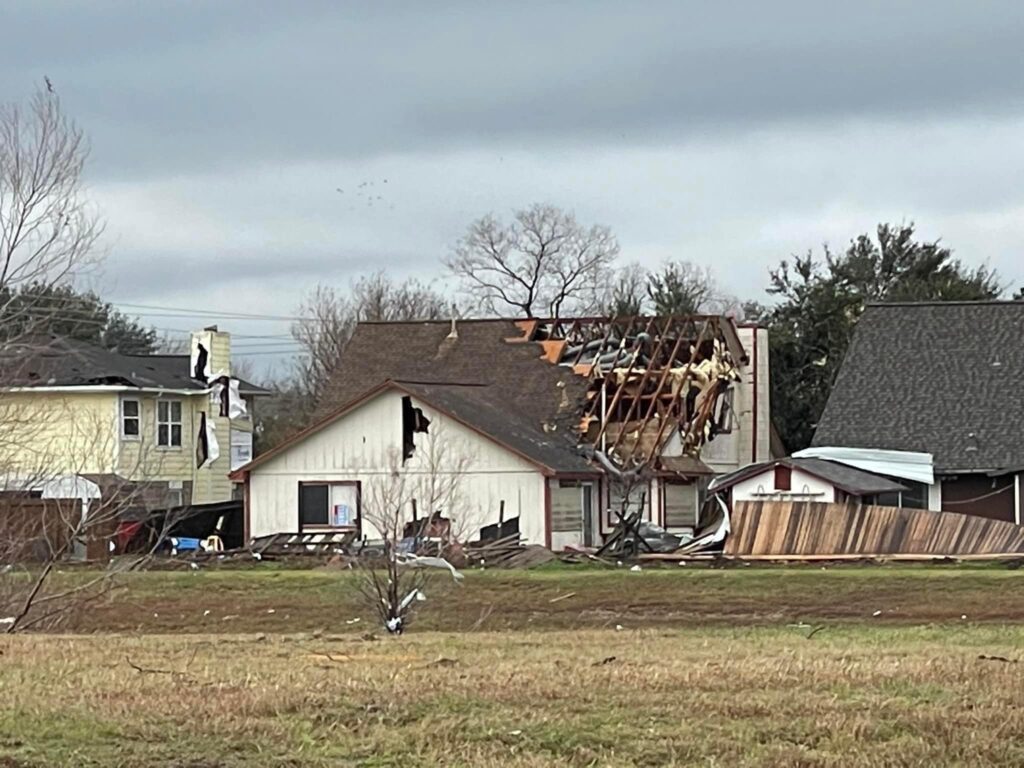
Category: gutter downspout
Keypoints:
(1016, 498)
(753, 446)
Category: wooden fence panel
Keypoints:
(814, 528)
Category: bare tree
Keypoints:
(432, 481)
(542, 263)
(47, 229)
(625, 293)
(329, 317)
(48, 237)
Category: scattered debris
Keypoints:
(560, 598)
(356, 620)
(1003, 659)
(508, 552)
(877, 613)
(636, 569)
(604, 661)
(416, 561)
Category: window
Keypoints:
(328, 505)
(680, 500)
(130, 419)
(241, 448)
(168, 423)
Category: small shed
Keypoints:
(794, 479)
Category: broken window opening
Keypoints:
(413, 421)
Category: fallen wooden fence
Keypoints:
(801, 528)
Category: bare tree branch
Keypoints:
(543, 262)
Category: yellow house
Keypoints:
(71, 408)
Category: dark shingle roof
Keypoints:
(472, 405)
(942, 378)
(846, 478)
(52, 361)
(515, 397)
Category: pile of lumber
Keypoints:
(507, 552)
(307, 543)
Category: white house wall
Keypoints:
(365, 446)
(802, 485)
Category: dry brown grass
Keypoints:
(849, 696)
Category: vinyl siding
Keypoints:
(365, 445)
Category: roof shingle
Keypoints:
(942, 378)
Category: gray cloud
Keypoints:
(731, 134)
(188, 86)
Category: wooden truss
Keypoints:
(651, 379)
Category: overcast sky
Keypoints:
(729, 134)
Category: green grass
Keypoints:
(710, 667)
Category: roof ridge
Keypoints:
(477, 384)
(952, 303)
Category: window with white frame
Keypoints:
(131, 419)
(168, 423)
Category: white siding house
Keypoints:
(358, 455)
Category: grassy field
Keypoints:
(273, 600)
(748, 667)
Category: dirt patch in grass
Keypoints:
(272, 600)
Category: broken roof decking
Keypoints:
(623, 385)
(54, 361)
(651, 377)
(942, 377)
(847, 479)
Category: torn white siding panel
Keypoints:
(802, 486)
(935, 497)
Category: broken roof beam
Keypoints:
(676, 395)
(596, 400)
(648, 371)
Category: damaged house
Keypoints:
(547, 425)
(942, 379)
(103, 422)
